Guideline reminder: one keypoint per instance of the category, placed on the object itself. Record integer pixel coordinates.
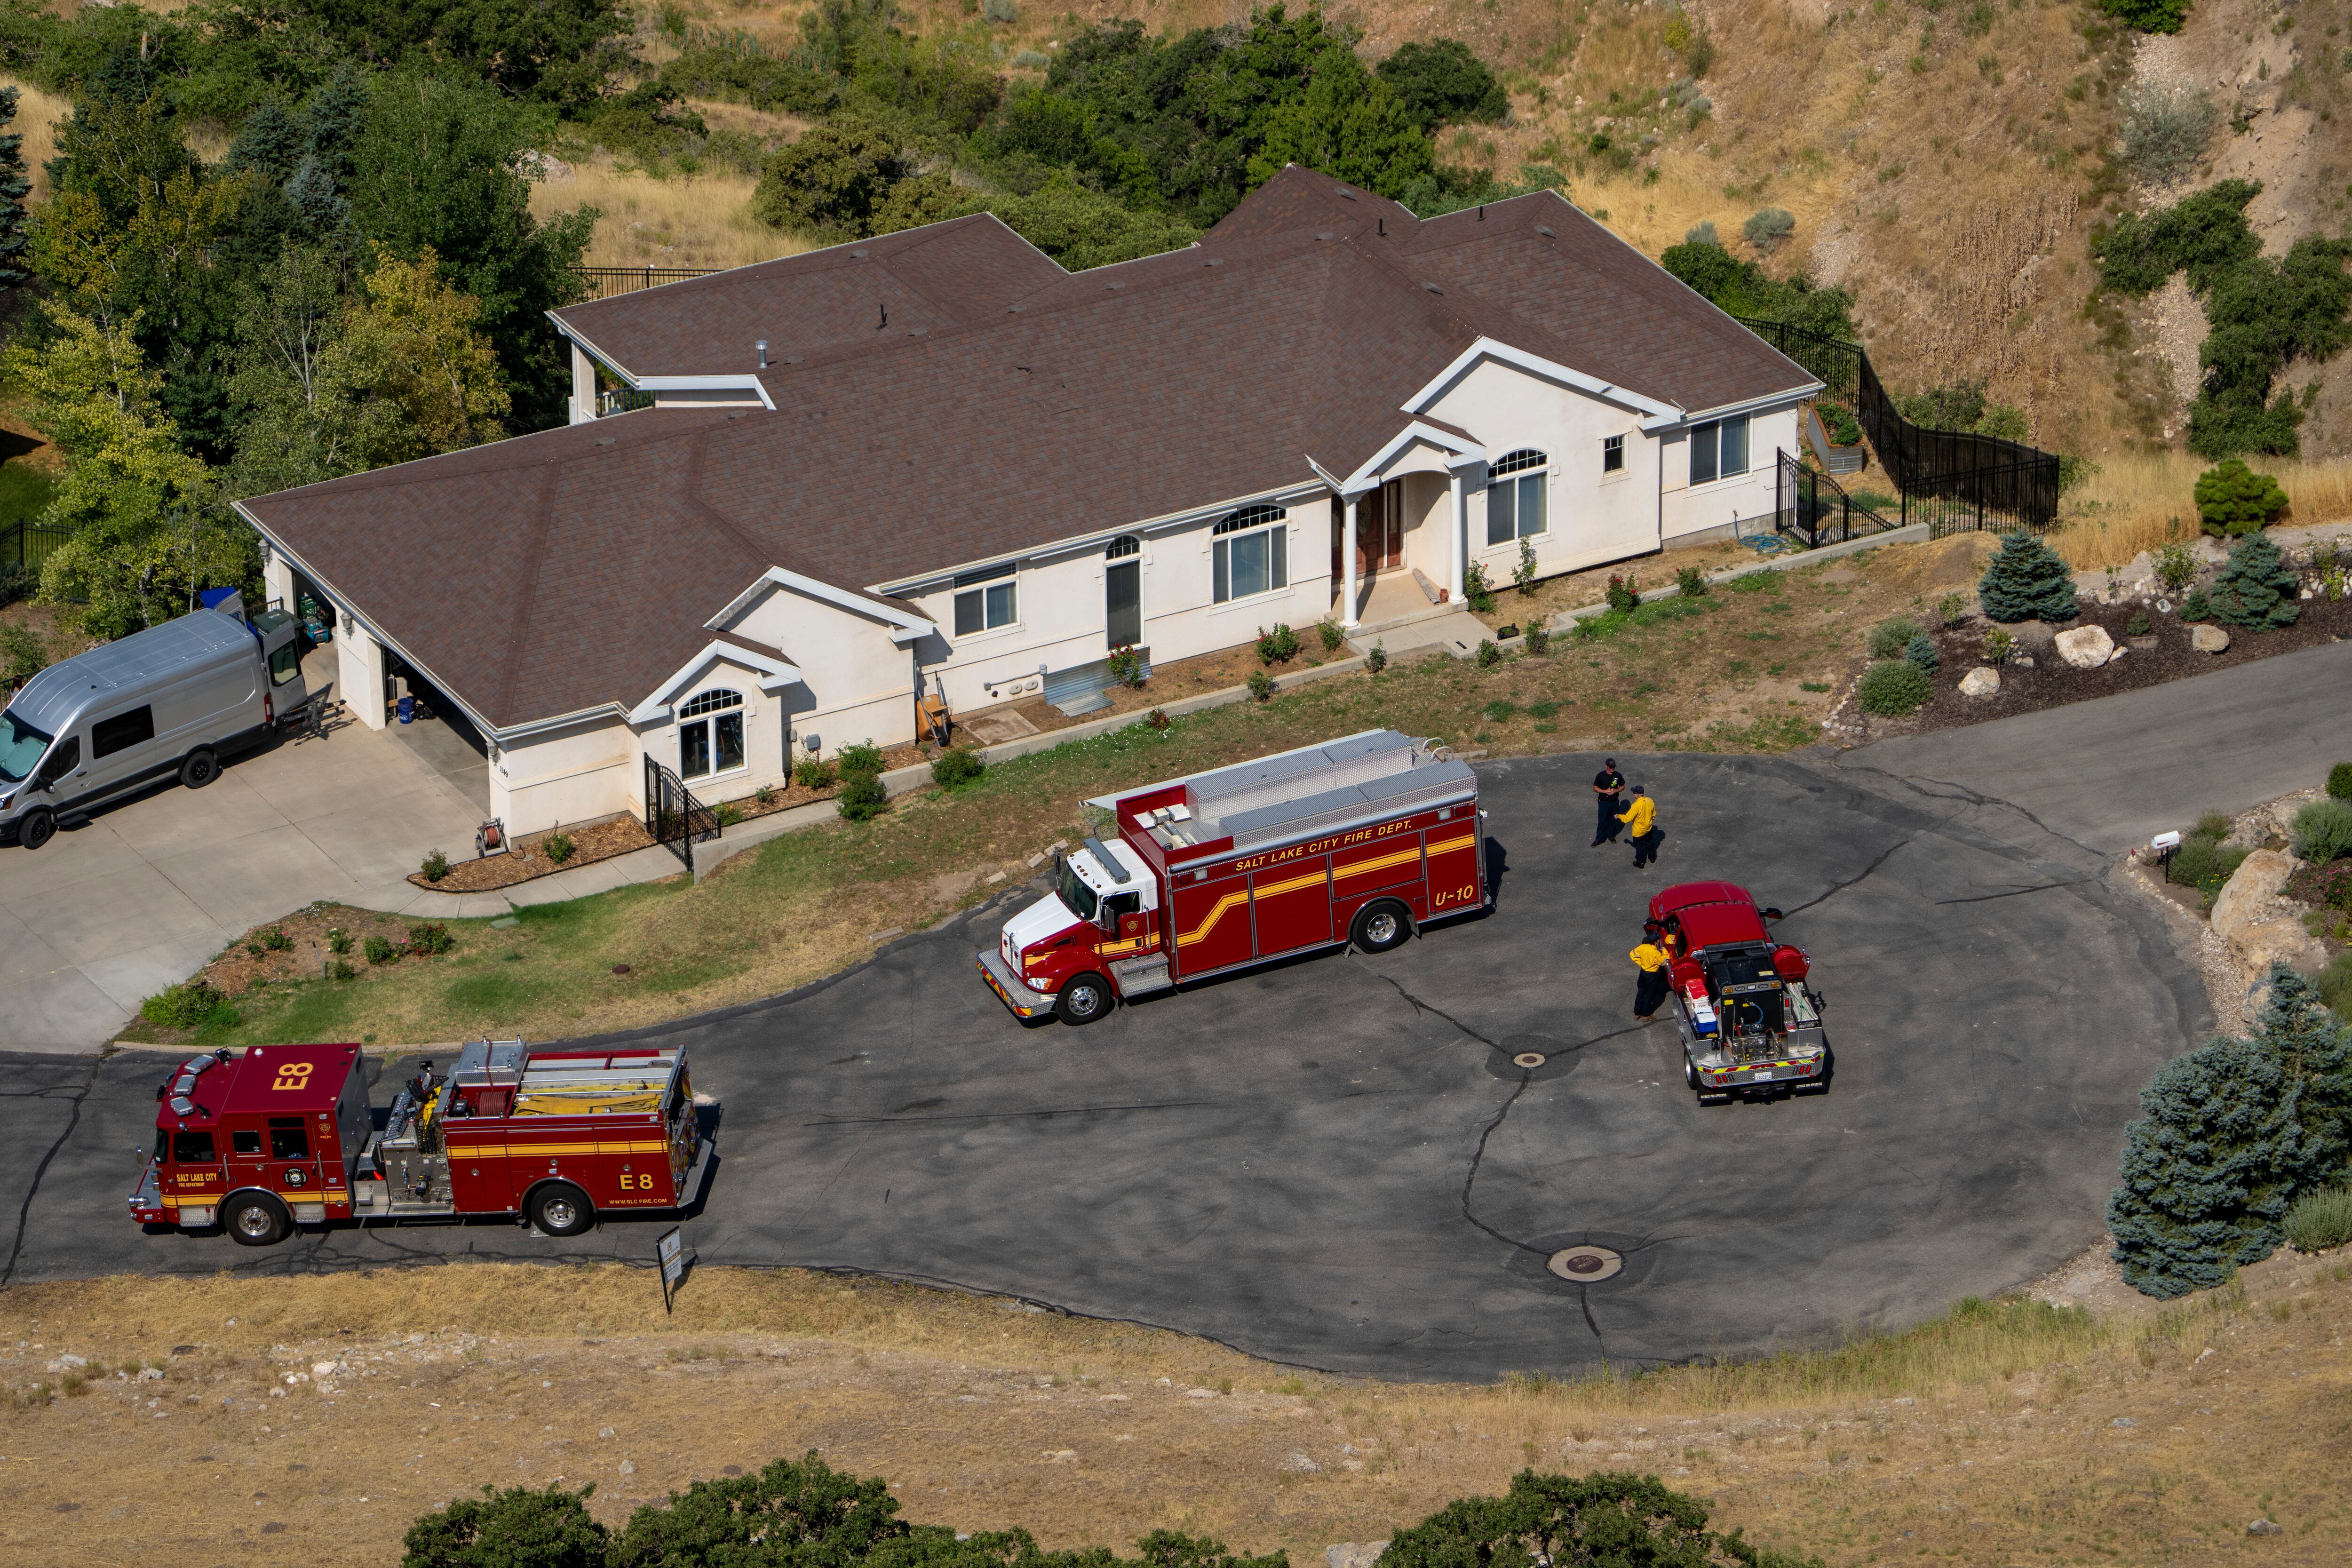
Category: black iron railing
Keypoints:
(1816, 509)
(25, 545)
(674, 819)
(603, 283)
(1950, 479)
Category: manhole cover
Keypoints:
(1584, 1265)
(1528, 1060)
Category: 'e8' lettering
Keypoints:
(644, 1184)
(294, 1075)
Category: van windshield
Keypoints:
(21, 746)
(1076, 893)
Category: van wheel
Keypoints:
(199, 770)
(256, 1219)
(1381, 926)
(560, 1208)
(1083, 1000)
(36, 827)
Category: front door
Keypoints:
(1123, 602)
(1392, 538)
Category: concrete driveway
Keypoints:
(154, 887)
(1335, 1161)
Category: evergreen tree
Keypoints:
(2256, 589)
(2027, 581)
(1921, 654)
(2234, 1133)
(14, 187)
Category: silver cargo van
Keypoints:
(171, 700)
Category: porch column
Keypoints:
(1458, 536)
(361, 673)
(584, 386)
(1347, 565)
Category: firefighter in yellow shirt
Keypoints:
(1641, 820)
(1654, 982)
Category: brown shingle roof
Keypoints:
(560, 571)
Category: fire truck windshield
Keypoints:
(1076, 893)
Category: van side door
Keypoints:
(122, 747)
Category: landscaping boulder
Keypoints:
(2206, 639)
(2252, 892)
(1984, 680)
(2085, 647)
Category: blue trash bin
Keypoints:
(408, 709)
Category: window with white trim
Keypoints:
(1613, 454)
(986, 600)
(1514, 496)
(1719, 449)
(710, 733)
(1250, 550)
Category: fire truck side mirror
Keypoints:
(1773, 915)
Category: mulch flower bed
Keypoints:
(2163, 654)
(591, 842)
(309, 950)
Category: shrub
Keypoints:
(1488, 655)
(1701, 232)
(2027, 581)
(2232, 499)
(2148, 15)
(2339, 781)
(726, 814)
(1998, 646)
(557, 847)
(1622, 594)
(2233, 1133)
(2255, 588)
(1766, 229)
(999, 11)
(2336, 984)
(380, 950)
(861, 762)
(1889, 637)
(182, 1006)
(2320, 1220)
(339, 940)
(1261, 685)
(810, 774)
(1376, 659)
(1920, 654)
(22, 656)
(1476, 591)
(435, 867)
(2175, 567)
(862, 797)
(2166, 130)
(275, 939)
(2139, 625)
(1524, 573)
(1952, 608)
(2323, 831)
(1032, 60)
(1538, 639)
(1842, 428)
(956, 768)
(1499, 711)
(1892, 688)
(1691, 583)
(430, 936)
(1127, 668)
(2195, 607)
(2201, 860)
(765, 794)
(1606, 1520)
(1443, 83)
(342, 971)
(1157, 719)
(1278, 646)
(518, 1527)
(1332, 633)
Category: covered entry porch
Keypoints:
(1399, 529)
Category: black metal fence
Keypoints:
(25, 545)
(674, 819)
(1950, 480)
(603, 283)
(1816, 509)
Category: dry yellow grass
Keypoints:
(699, 220)
(38, 114)
(2141, 500)
(1994, 1436)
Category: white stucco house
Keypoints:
(936, 461)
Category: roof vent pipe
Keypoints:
(762, 346)
(1481, 212)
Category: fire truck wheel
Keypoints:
(255, 1219)
(1084, 999)
(560, 1208)
(1380, 926)
(199, 770)
(38, 827)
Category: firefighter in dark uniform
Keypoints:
(1607, 785)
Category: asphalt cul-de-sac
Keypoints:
(1336, 1161)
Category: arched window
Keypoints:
(1250, 552)
(710, 733)
(1514, 497)
(1124, 545)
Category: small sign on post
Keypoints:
(671, 1250)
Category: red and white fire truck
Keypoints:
(1357, 840)
(283, 1135)
(1750, 1024)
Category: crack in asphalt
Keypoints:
(1861, 875)
(2017, 892)
(73, 1120)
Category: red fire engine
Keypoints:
(1750, 1022)
(1358, 840)
(284, 1136)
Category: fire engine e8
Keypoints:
(284, 1136)
(1359, 840)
